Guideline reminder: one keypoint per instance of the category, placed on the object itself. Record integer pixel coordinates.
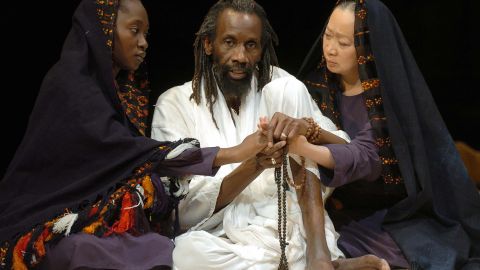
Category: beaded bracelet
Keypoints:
(311, 124)
(304, 177)
(314, 130)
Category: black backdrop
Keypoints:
(441, 35)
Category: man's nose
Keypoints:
(239, 55)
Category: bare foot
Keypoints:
(367, 262)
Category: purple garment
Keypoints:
(168, 167)
(147, 251)
(356, 160)
(358, 165)
(85, 251)
(366, 236)
(199, 161)
(359, 158)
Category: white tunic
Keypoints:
(243, 235)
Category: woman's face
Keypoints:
(338, 44)
(130, 43)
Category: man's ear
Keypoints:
(208, 45)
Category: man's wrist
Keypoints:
(253, 164)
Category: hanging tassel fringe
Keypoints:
(65, 224)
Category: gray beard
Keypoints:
(230, 87)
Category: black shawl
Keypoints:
(84, 136)
(437, 225)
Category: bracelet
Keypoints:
(304, 177)
(314, 131)
(311, 124)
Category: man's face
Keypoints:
(236, 49)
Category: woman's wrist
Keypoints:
(299, 146)
(303, 148)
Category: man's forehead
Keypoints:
(234, 21)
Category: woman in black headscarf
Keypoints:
(362, 75)
(85, 168)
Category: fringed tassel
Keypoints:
(18, 252)
(39, 244)
(149, 192)
(93, 227)
(3, 254)
(127, 216)
(93, 211)
(98, 219)
(65, 224)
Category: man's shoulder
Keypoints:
(282, 78)
(178, 92)
(278, 72)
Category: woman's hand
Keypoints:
(297, 145)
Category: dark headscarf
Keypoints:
(437, 225)
(85, 134)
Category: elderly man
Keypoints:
(233, 217)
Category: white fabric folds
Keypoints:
(244, 234)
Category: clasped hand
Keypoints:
(268, 143)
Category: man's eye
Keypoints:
(251, 45)
(229, 42)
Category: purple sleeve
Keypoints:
(354, 161)
(195, 161)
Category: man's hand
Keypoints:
(271, 157)
(252, 145)
(284, 128)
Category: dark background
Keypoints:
(441, 35)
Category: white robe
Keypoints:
(243, 235)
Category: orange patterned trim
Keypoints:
(370, 84)
(372, 102)
(320, 85)
(381, 142)
(362, 60)
(389, 161)
(362, 14)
